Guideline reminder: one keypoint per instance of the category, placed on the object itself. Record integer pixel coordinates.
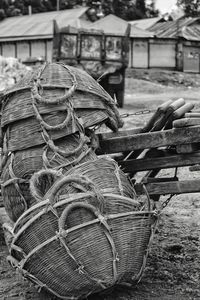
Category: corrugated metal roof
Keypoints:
(172, 29)
(191, 33)
(39, 26)
(140, 33)
(145, 23)
(110, 24)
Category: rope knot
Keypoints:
(80, 269)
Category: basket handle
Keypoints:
(60, 181)
(68, 93)
(37, 177)
(65, 153)
(106, 229)
(91, 208)
(52, 127)
(80, 181)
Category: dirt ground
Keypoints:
(173, 266)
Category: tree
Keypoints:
(141, 6)
(190, 7)
(2, 14)
(151, 11)
(125, 9)
(129, 9)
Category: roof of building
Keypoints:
(172, 29)
(110, 24)
(191, 33)
(146, 23)
(40, 26)
(140, 33)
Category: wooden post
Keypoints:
(148, 49)
(58, 5)
(30, 10)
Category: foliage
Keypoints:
(190, 7)
(126, 9)
(151, 11)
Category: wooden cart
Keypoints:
(170, 139)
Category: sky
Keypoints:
(165, 5)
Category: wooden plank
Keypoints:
(170, 187)
(120, 133)
(146, 180)
(187, 148)
(169, 161)
(176, 136)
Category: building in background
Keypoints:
(179, 41)
(172, 42)
(30, 36)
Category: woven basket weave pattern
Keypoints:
(106, 174)
(79, 226)
(27, 162)
(19, 105)
(93, 252)
(55, 79)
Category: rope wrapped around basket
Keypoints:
(92, 250)
(57, 182)
(23, 164)
(103, 173)
(106, 174)
(38, 87)
(47, 84)
(81, 223)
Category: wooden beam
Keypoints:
(170, 187)
(188, 148)
(176, 136)
(120, 133)
(169, 161)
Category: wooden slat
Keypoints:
(176, 136)
(170, 161)
(187, 148)
(120, 133)
(170, 187)
(146, 180)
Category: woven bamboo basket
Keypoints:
(21, 165)
(82, 244)
(28, 133)
(51, 88)
(18, 106)
(102, 172)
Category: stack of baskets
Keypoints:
(79, 227)
(44, 118)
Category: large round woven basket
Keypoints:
(27, 133)
(103, 173)
(106, 174)
(82, 244)
(54, 88)
(21, 165)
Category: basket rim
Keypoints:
(70, 198)
(14, 89)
